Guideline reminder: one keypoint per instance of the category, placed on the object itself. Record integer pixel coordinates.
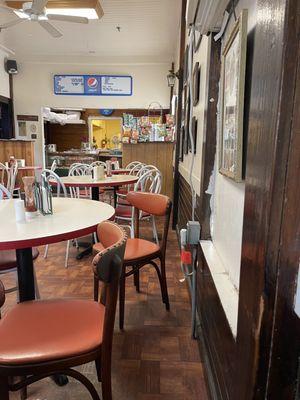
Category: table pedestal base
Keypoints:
(27, 290)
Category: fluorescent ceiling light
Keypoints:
(89, 13)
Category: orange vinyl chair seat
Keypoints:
(139, 249)
(8, 258)
(38, 331)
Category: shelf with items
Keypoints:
(154, 127)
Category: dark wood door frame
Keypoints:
(209, 137)
(179, 114)
(259, 364)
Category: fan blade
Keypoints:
(38, 6)
(67, 18)
(12, 23)
(50, 29)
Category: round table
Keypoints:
(64, 224)
(30, 168)
(120, 171)
(114, 181)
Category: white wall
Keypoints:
(229, 195)
(201, 56)
(4, 77)
(33, 88)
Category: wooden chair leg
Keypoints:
(164, 284)
(98, 368)
(4, 392)
(96, 288)
(106, 378)
(136, 277)
(122, 301)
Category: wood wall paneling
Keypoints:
(240, 367)
(158, 154)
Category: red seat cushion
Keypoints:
(139, 248)
(126, 212)
(39, 331)
(8, 258)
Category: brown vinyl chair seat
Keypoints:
(139, 249)
(135, 248)
(38, 331)
(8, 258)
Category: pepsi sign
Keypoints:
(92, 85)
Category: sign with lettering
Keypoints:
(93, 85)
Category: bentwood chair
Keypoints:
(50, 175)
(149, 181)
(43, 338)
(141, 252)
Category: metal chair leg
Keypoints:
(67, 254)
(46, 251)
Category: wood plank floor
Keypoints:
(155, 357)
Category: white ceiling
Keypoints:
(149, 29)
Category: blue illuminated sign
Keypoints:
(93, 85)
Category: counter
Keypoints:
(159, 154)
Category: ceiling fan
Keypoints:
(35, 11)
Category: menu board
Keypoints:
(116, 85)
(93, 85)
(68, 84)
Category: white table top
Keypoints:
(71, 218)
(88, 181)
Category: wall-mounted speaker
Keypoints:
(11, 67)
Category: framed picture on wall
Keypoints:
(187, 120)
(195, 132)
(196, 83)
(182, 142)
(233, 69)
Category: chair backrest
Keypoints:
(13, 172)
(4, 193)
(108, 266)
(49, 175)
(98, 164)
(4, 174)
(53, 166)
(133, 164)
(136, 168)
(79, 170)
(154, 204)
(149, 181)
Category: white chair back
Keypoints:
(48, 175)
(53, 166)
(78, 169)
(149, 181)
(4, 174)
(4, 193)
(98, 164)
(12, 176)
